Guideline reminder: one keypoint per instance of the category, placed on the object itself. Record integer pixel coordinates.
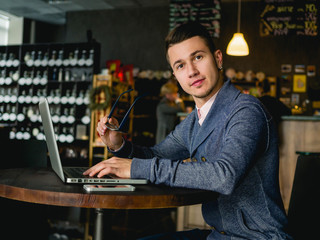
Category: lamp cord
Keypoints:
(239, 14)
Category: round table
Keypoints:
(42, 186)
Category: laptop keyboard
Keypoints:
(76, 172)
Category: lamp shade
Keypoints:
(238, 46)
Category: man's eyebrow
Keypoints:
(191, 55)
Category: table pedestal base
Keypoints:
(98, 227)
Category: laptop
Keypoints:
(72, 174)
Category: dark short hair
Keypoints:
(186, 31)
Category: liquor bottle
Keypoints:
(15, 62)
(86, 98)
(86, 118)
(29, 78)
(62, 135)
(7, 98)
(36, 79)
(59, 61)
(21, 98)
(60, 75)
(22, 80)
(27, 57)
(21, 116)
(44, 79)
(3, 60)
(28, 97)
(50, 96)
(54, 75)
(26, 134)
(15, 76)
(10, 60)
(19, 133)
(13, 95)
(5, 114)
(52, 60)
(37, 62)
(64, 116)
(70, 135)
(30, 61)
(71, 119)
(79, 99)
(67, 75)
(55, 114)
(44, 61)
(2, 77)
(66, 61)
(2, 93)
(12, 114)
(72, 98)
(57, 96)
(64, 99)
(40, 135)
(74, 60)
(12, 133)
(82, 60)
(8, 80)
(33, 114)
(35, 132)
(89, 61)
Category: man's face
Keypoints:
(196, 69)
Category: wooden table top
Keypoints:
(40, 185)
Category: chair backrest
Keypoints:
(304, 206)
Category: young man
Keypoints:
(229, 138)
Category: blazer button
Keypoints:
(194, 160)
(203, 159)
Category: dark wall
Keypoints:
(136, 36)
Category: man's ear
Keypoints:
(219, 59)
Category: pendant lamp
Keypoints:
(238, 45)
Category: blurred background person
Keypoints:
(275, 107)
(167, 110)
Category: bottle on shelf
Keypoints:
(86, 118)
(71, 119)
(53, 58)
(89, 61)
(44, 61)
(37, 62)
(22, 115)
(31, 60)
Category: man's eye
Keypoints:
(180, 66)
(198, 57)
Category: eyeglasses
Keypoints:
(114, 127)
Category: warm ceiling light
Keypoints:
(238, 45)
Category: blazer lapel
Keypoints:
(218, 111)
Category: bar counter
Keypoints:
(297, 134)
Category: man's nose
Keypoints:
(192, 70)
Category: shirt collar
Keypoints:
(206, 107)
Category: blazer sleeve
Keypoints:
(245, 136)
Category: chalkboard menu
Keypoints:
(289, 17)
(207, 12)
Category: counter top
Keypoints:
(301, 118)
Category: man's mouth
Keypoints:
(197, 82)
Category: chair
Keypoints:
(304, 206)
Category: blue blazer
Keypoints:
(234, 153)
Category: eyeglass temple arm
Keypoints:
(116, 103)
(128, 112)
